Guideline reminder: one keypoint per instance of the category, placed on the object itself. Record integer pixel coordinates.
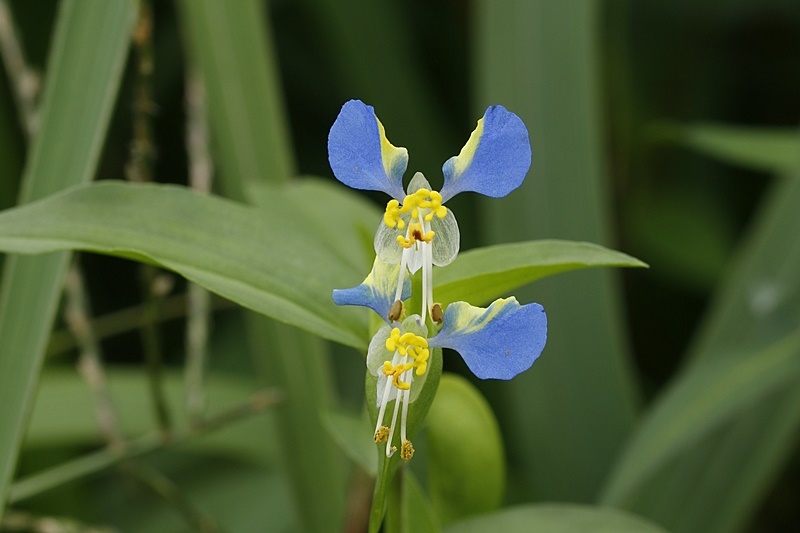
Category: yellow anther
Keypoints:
(412, 203)
(395, 372)
(392, 215)
(382, 434)
(393, 342)
(406, 450)
(409, 345)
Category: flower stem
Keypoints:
(198, 299)
(379, 497)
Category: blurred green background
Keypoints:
(666, 130)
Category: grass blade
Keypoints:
(84, 69)
(552, 518)
(246, 104)
(765, 149)
(537, 59)
(229, 43)
(716, 485)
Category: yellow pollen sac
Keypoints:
(421, 199)
(382, 434)
(392, 215)
(410, 345)
(406, 450)
(395, 372)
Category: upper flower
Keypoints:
(417, 230)
(493, 162)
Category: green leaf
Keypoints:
(762, 149)
(556, 518)
(479, 276)
(756, 309)
(540, 59)
(466, 463)
(706, 396)
(313, 204)
(248, 255)
(86, 60)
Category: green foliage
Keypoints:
(539, 59)
(711, 445)
(466, 463)
(556, 518)
(210, 241)
(479, 276)
(88, 52)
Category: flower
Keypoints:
(497, 342)
(417, 230)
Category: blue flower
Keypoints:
(417, 230)
(497, 342)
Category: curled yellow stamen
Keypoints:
(415, 234)
(430, 201)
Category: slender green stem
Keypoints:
(25, 81)
(90, 364)
(155, 285)
(379, 497)
(199, 299)
(107, 457)
(130, 318)
(140, 169)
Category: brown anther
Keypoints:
(437, 315)
(396, 311)
(382, 434)
(406, 450)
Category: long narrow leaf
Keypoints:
(233, 48)
(556, 518)
(245, 254)
(87, 56)
(480, 275)
(765, 149)
(566, 420)
(716, 484)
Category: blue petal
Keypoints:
(361, 156)
(377, 291)
(498, 342)
(495, 159)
